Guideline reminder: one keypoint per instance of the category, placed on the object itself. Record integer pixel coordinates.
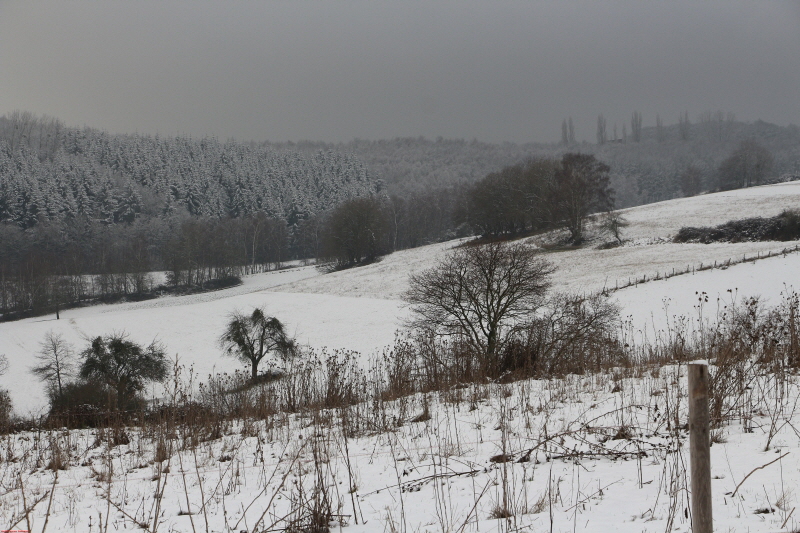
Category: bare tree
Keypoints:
(572, 334)
(613, 223)
(684, 126)
(307, 238)
(480, 294)
(56, 361)
(636, 126)
(21, 126)
(748, 165)
(706, 121)
(661, 134)
(580, 187)
(356, 233)
(717, 125)
(564, 132)
(251, 338)
(691, 181)
(571, 128)
(602, 136)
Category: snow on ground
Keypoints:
(589, 269)
(592, 453)
(190, 325)
(655, 306)
(360, 308)
(387, 278)
(583, 270)
(664, 219)
(592, 270)
(433, 475)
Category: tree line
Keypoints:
(54, 266)
(79, 260)
(643, 171)
(536, 195)
(87, 215)
(541, 194)
(117, 178)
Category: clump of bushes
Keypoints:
(783, 227)
(573, 334)
(111, 375)
(81, 403)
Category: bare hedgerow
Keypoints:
(572, 334)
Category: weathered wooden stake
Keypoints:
(700, 448)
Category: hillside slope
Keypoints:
(360, 309)
(589, 269)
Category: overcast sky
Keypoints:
(324, 70)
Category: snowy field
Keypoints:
(589, 453)
(664, 219)
(435, 474)
(360, 309)
(589, 269)
(189, 327)
(655, 306)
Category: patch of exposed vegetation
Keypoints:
(783, 227)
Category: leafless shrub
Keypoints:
(540, 504)
(573, 334)
(718, 436)
(500, 512)
(59, 453)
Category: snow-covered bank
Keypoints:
(591, 453)
(656, 305)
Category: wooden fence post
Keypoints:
(700, 448)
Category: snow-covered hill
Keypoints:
(584, 453)
(361, 308)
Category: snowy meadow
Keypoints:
(354, 438)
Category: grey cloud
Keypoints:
(332, 71)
